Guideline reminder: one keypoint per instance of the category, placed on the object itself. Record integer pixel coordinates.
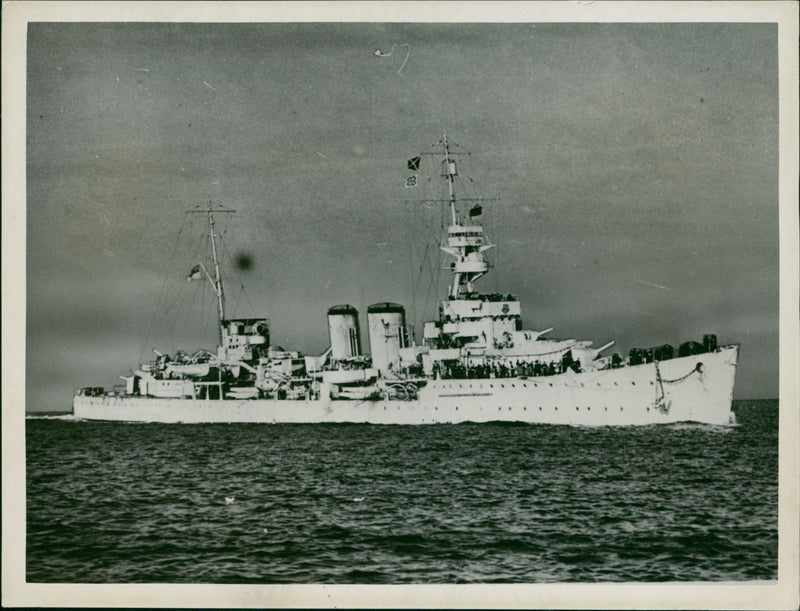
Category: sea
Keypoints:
(370, 504)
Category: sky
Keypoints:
(634, 166)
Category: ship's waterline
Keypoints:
(612, 397)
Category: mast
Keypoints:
(449, 172)
(217, 275)
(216, 281)
(465, 240)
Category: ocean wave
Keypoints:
(475, 503)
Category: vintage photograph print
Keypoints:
(352, 302)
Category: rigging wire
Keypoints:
(161, 292)
(228, 258)
(186, 297)
(411, 249)
(186, 319)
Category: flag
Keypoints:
(413, 163)
(196, 273)
(475, 211)
(411, 181)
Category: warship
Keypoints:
(475, 363)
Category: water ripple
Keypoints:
(146, 503)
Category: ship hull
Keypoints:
(695, 388)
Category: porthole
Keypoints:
(540, 408)
(615, 384)
(550, 383)
(577, 409)
(502, 385)
(581, 383)
(651, 382)
(588, 409)
(598, 383)
(633, 383)
(513, 386)
(524, 386)
(556, 409)
(620, 409)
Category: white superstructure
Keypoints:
(476, 363)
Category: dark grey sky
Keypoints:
(625, 156)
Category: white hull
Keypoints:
(613, 397)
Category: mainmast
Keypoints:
(216, 281)
(217, 275)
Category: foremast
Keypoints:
(473, 327)
(466, 241)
